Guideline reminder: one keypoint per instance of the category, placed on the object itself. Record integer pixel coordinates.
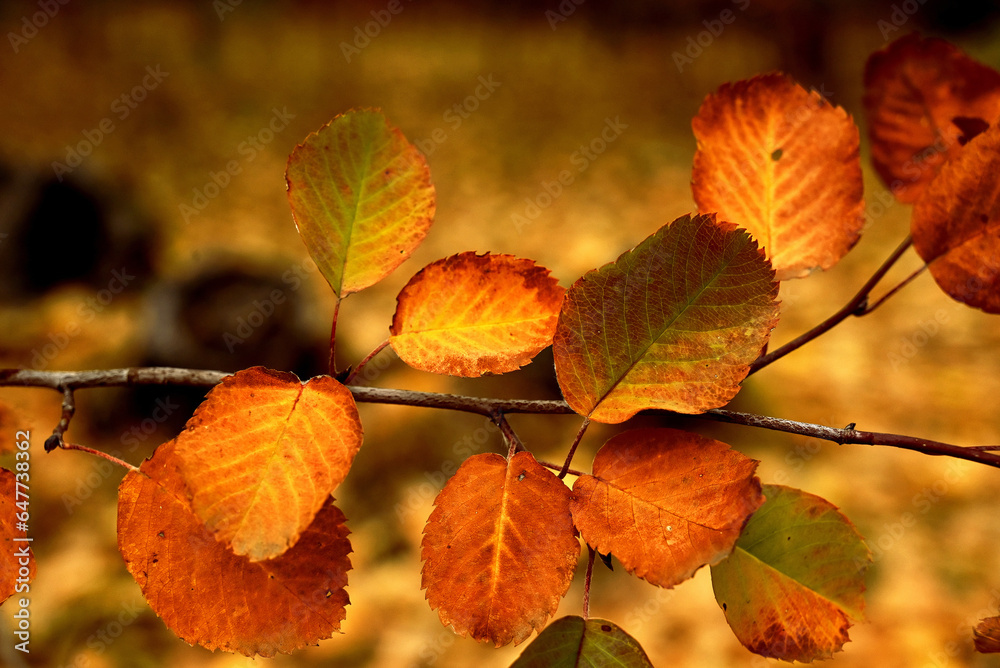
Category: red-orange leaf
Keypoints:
(17, 563)
(499, 548)
(210, 596)
(665, 502)
(469, 314)
(920, 96)
(361, 197)
(782, 163)
(986, 635)
(956, 224)
(672, 324)
(263, 453)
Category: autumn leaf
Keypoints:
(986, 635)
(499, 548)
(672, 324)
(574, 642)
(361, 197)
(211, 597)
(782, 163)
(665, 502)
(17, 562)
(469, 314)
(921, 95)
(956, 224)
(262, 455)
(795, 581)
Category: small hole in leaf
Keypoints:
(605, 628)
(723, 607)
(160, 534)
(521, 477)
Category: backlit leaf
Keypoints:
(469, 314)
(574, 642)
(263, 453)
(499, 549)
(15, 555)
(795, 581)
(361, 197)
(672, 324)
(956, 224)
(986, 635)
(783, 163)
(211, 597)
(665, 502)
(921, 95)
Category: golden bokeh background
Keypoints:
(227, 71)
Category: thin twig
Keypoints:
(58, 380)
(558, 467)
(68, 408)
(361, 365)
(333, 339)
(586, 583)
(899, 286)
(514, 443)
(572, 448)
(99, 453)
(857, 306)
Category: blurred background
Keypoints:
(143, 221)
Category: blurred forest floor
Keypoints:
(196, 259)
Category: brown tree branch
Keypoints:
(857, 306)
(62, 381)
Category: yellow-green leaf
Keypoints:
(795, 581)
(361, 197)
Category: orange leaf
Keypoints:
(672, 324)
(210, 596)
(665, 502)
(263, 453)
(469, 314)
(920, 94)
(782, 163)
(499, 548)
(986, 635)
(13, 551)
(361, 197)
(956, 224)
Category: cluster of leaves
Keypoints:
(231, 530)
